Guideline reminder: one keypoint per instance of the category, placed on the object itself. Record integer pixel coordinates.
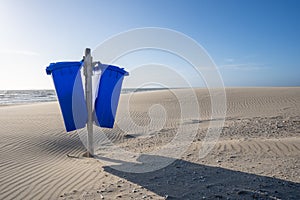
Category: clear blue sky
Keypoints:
(253, 43)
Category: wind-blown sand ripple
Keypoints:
(256, 156)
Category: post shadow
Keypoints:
(186, 180)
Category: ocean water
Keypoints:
(130, 90)
(9, 97)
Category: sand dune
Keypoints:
(256, 156)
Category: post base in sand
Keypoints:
(87, 155)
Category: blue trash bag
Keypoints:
(107, 99)
(68, 85)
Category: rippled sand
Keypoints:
(256, 156)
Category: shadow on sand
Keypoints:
(185, 180)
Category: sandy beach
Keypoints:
(257, 155)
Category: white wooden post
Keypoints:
(88, 72)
